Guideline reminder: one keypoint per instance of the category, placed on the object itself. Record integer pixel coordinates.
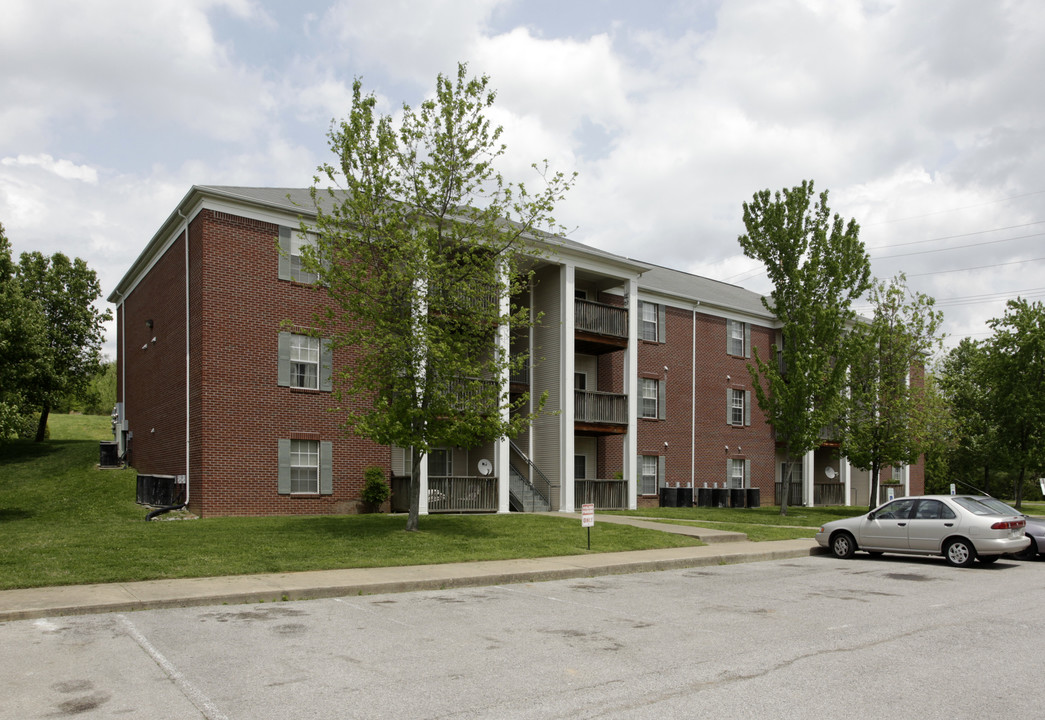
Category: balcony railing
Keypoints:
(832, 493)
(605, 494)
(600, 318)
(592, 406)
(449, 494)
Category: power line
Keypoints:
(952, 237)
(956, 247)
(965, 207)
(979, 267)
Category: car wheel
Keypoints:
(1028, 553)
(960, 553)
(988, 559)
(843, 545)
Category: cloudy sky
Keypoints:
(923, 119)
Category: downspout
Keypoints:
(185, 504)
(693, 410)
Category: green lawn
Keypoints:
(64, 521)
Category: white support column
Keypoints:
(905, 478)
(502, 449)
(845, 470)
(422, 503)
(567, 361)
(631, 389)
(808, 467)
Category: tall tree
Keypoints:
(419, 243)
(65, 291)
(21, 332)
(1015, 369)
(966, 386)
(818, 267)
(888, 414)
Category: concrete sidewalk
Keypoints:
(723, 549)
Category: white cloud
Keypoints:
(64, 169)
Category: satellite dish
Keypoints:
(830, 472)
(485, 467)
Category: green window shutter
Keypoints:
(283, 375)
(747, 340)
(662, 409)
(662, 318)
(747, 407)
(284, 253)
(729, 406)
(283, 484)
(729, 473)
(661, 475)
(747, 473)
(729, 337)
(326, 361)
(326, 468)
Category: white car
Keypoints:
(958, 527)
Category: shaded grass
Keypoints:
(755, 532)
(804, 517)
(64, 521)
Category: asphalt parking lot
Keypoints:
(813, 637)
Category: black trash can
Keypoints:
(108, 454)
(752, 498)
(668, 497)
(737, 497)
(685, 497)
(720, 497)
(704, 497)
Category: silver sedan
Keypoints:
(958, 527)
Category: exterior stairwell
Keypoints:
(527, 492)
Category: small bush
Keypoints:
(375, 487)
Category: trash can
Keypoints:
(704, 497)
(685, 497)
(668, 497)
(108, 454)
(752, 498)
(737, 497)
(720, 497)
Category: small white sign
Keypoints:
(953, 489)
(1041, 481)
(588, 515)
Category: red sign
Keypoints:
(588, 515)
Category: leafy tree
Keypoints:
(1015, 370)
(418, 242)
(888, 416)
(818, 267)
(65, 291)
(21, 330)
(974, 451)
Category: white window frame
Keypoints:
(736, 413)
(736, 337)
(304, 467)
(646, 477)
(448, 461)
(304, 357)
(738, 473)
(649, 385)
(298, 241)
(649, 322)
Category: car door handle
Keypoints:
(948, 524)
(902, 524)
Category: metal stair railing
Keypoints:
(537, 481)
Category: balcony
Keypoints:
(604, 494)
(599, 328)
(599, 413)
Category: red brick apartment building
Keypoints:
(224, 399)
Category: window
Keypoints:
(304, 362)
(651, 322)
(738, 407)
(652, 399)
(580, 381)
(738, 473)
(796, 471)
(441, 462)
(580, 467)
(651, 473)
(305, 467)
(738, 338)
(291, 244)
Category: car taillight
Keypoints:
(1008, 524)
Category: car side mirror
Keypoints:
(870, 516)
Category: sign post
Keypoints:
(588, 519)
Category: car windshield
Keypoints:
(978, 508)
(998, 506)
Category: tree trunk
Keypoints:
(1017, 491)
(785, 481)
(41, 428)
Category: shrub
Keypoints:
(375, 487)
